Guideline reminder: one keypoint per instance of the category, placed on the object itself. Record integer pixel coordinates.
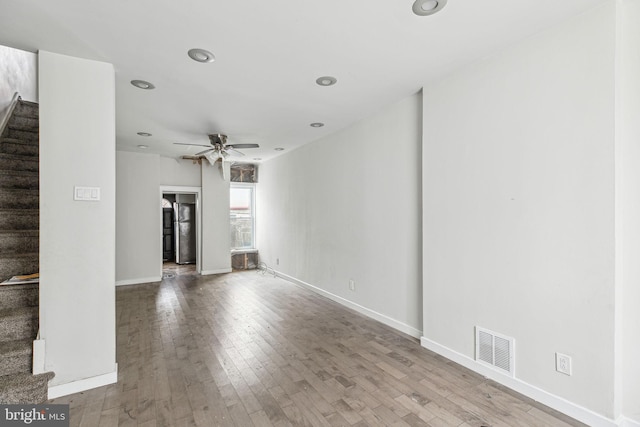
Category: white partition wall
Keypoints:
(77, 238)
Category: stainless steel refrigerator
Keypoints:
(185, 232)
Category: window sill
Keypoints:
(243, 251)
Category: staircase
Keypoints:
(19, 241)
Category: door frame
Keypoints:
(197, 192)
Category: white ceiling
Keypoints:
(261, 88)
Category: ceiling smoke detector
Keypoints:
(201, 55)
(428, 7)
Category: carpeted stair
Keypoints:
(19, 242)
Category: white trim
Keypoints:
(556, 402)
(83, 385)
(627, 422)
(138, 281)
(395, 324)
(219, 271)
(39, 349)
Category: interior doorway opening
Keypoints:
(181, 228)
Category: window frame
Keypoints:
(252, 187)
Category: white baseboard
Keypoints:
(38, 356)
(627, 422)
(219, 271)
(138, 281)
(556, 402)
(402, 327)
(84, 384)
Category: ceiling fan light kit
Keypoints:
(428, 7)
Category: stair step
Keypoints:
(16, 356)
(19, 199)
(25, 388)
(26, 180)
(18, 323)
(19, 147)
(26, 111)
(19, 241)
(23, 135)
(19, 219)
(16, 162)
(15, 265)
(24, 123)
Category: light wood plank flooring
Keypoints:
(247, 350)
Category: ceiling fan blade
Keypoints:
(203, 152)
(195, 145)
(233, 152)
(236, 146)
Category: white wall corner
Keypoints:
(38, 356)
(138, 281)
(382, 318)
(555, 402)
(84, 384)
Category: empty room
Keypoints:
(407, 213)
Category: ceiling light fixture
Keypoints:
(428, 7)
(326, 81)
(316, 125)
(201, 55)
(143, 147)
(142, 84)
(257, 158)
(144, 134)
(279, 149)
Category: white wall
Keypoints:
(19, 74)
(216, 242)
(139, 178)
(77, 239)
(348, 207)
(138, 223)
(518, 163)
(628, 161)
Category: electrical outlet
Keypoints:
(352, 285)
(563, 364)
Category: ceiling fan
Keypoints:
(218, 148)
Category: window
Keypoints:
(242, 212)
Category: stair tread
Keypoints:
(22, 128)
(19, 172)
(21, 231)
(20, 211)
(17, 156)
(19, 312)
(9, 348)
(32, 191)
(17, 141)
(23, 379)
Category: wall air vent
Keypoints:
(495, 350)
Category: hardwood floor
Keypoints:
(245, 349)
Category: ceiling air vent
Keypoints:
(495, 350)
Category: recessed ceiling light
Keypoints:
(257, 158)
(316, 125)
(143, 147)
(428, 7)
(142, 84)
(201, 55)
(144, 134)
(326, 81)
(279, 149)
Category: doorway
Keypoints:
(181, 229)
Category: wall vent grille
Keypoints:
(495, 350)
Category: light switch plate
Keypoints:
(86, 194)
